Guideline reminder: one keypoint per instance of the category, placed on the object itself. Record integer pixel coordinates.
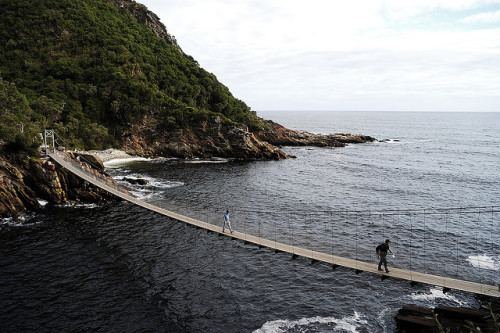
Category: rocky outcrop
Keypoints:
(136, 181)
(15, 196)
(22, 184)
(412, 318)
(282, 136)
(210, 139)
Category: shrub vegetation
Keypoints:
(92, 68)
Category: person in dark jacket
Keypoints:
(382, 254)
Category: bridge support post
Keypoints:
(49, 134)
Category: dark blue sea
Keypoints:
(431, 185)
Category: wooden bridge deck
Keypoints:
(357, 265)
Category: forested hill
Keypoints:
(105, 73)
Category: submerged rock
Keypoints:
(136, 181)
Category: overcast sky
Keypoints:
(430, 55)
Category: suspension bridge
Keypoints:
(491, 288)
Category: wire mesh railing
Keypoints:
(458, 243)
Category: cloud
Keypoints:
(483, 18)
(361, 54)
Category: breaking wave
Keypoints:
(485, 262)
(346, 324)
(434, 295)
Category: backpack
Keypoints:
(379, 247)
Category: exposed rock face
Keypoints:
(15, 196)
(210, 139)
(22, 184)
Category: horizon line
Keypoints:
(323, 110)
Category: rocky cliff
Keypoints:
(24, 182)
(211, 139)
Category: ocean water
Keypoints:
(432, 187)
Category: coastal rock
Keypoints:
(23, 183)
(15, 197)
(281, 136)
(136, 181)
(412, 318)
(44, 180)
(208, 140)
(90, 159)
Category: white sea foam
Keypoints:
(435, 293)
(77, 205)
(90, 206)
(346, 324)
(112, 164)
(210, 161)
(485, 262)
(17, 223)
(149, 190)
(43, 203)
(153, 183)
(142, 195)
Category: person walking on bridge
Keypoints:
(382, 254)
(226, 222)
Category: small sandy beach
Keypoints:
(110, 154)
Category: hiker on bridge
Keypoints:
(226, 221)
(382, 254)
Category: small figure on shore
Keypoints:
(226, 221)
(382, 254)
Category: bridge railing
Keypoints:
(456, 243)
(459, 243)
(92, 173)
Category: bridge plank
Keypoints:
(430, 279)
